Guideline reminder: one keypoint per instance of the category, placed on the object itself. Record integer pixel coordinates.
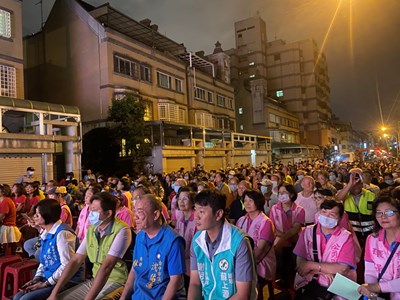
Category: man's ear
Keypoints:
(220, 214)
(157, 215)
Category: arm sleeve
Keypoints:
(244, 262)
(176, 257)
(66, 248)
(267, 232)
(121, 243)
(82, 247)
(300, 248)
(300, 217)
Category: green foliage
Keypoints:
(127, 115)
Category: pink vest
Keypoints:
(282, 222)
(333, 249)
(83, 222)
(186, 231)
(126, 215)
(267, 266)
(379, 254)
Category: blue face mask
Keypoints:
(263, 189)
(233, 187)
(94, 218)
(389, 181)
(176, 189)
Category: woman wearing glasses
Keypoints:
(382, 254)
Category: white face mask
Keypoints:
(283, 198)
(327, 221)
(30, 173)
(233, 187)
(263, 189)
(300, 177)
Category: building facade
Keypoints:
(11, 49)
(87, 56)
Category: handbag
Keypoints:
(313, 290)
(387, 295)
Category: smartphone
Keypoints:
(26, 217)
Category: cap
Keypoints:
(61, 190)
(30, 169)
(232, 172)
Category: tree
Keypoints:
(128, 117)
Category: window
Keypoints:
(182, 115)
(277, 57)
(241, 127)
(220, 100)
(8, 87)
(204, 119)
(200, 93)
(168, 112)
(230, 103)
(145, 73)
(164, 80)
(178, 85)
(279, 93)
(5, 23)
(240, 110)
(210, 97)
(148, 110)
(125, 66)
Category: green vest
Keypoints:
(97, 253)
(360, 216)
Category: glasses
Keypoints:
(388, 213)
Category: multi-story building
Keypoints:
(257, 112)
(298, 76)
(87, 56)
(33, 134)
(11, 49)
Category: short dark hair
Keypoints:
(330, 204)
(5, 190)
(50, 210)
(20, 189)
(290, 188)
(107, 201)
(211, 197)
(126, 182)
(383, 199)
(323, 192)
(222, 174)
(257, 197)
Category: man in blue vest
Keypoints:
(221, 259)
(159, 256)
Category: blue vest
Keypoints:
(49, 256)
(151, 265)
(218, 276)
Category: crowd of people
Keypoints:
(217, 234)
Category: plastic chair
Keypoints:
(16, 275)
(6, 261)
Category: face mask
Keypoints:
(327, 221)
(389, 181)
(300, 177)
(94, 218)
(30, 173)
(283, 198)
(176, 189)
(230, 176)
(186, 177)
(274, 184)
(332, 177)
(263, 189)
(233, 187)
(211, 178)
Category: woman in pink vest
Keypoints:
(262, 231)
(336, 253)
(185, 223)
(288, 219)
(379, 247)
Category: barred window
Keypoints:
(5, 23)
(8, 87)
(126, 66)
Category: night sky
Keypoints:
(362, 47)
